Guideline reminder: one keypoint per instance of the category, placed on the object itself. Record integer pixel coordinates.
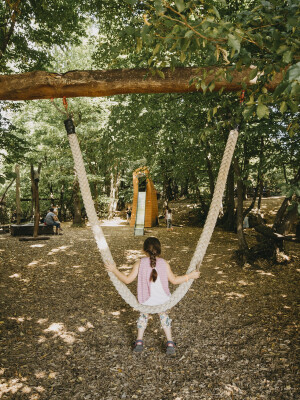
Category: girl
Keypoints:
(168, 217)
(153, 275)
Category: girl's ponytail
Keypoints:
(153, 275)
(153, 248)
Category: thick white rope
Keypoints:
(202, 244)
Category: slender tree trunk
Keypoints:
(210, 172)
(18, 201)
(260, 174)
(3, 216)
(283, 220)
(184, 188)
(284, 173)
(243, 247)
(245, 171)
(2, 203)
(62, 213)
(114, 192)
(228, 220)
(35, 177)
(260, 190)
(77, 219)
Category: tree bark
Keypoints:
(77, 218)
(260, 174)
(210, 172)
(243, 247)
(35, 177)
(18, 202)
(114, 192)
(46, 85)
(3, 216)
(228, 221)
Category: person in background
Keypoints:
(128, 214)
(52, 220)
(168, 216)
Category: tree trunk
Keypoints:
(35, 177)
(47, 85)
(3, 216)
(243, 247)
(18, 201)
(184, 188)
(210, 170)
(114, 192)
(245, 171)
(228, 221)
(77, 219)
(260, 174)
(62, 211)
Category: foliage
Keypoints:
(29, 29)
(261, 34)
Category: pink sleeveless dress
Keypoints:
(153, 293)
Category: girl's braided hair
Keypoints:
(153, 248)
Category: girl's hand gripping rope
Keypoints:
(110, 267)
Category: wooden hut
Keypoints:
(142, 181)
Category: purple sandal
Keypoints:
(171, 350)
(138, 346)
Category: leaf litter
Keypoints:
(65, 333)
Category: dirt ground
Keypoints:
(66, 334)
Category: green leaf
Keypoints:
(262, 111)
(293, 106)
(189, 34)
(293, 128)
(283, 107)
(203, 86)
(253, 74)
(160, 9)
(234, 42)
(216, 12)
(161, 74)
(182, 56)
(139, 44)
(280, 88)
(156, 49)
(293, 73)
(248, 112)
(251, 100)
(180, 5)
(212, 85)
(287, 57)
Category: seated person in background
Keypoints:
(51, 219)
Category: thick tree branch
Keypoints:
(47, 85)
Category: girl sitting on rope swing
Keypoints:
(154, 275)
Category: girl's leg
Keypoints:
(166, 325)
(142, 325)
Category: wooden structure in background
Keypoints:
(151, 208)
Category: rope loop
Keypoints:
(202, 244)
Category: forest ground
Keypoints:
(66, 334)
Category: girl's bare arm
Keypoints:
(124, 278)
(177, 280)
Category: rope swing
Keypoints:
(202, 244)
